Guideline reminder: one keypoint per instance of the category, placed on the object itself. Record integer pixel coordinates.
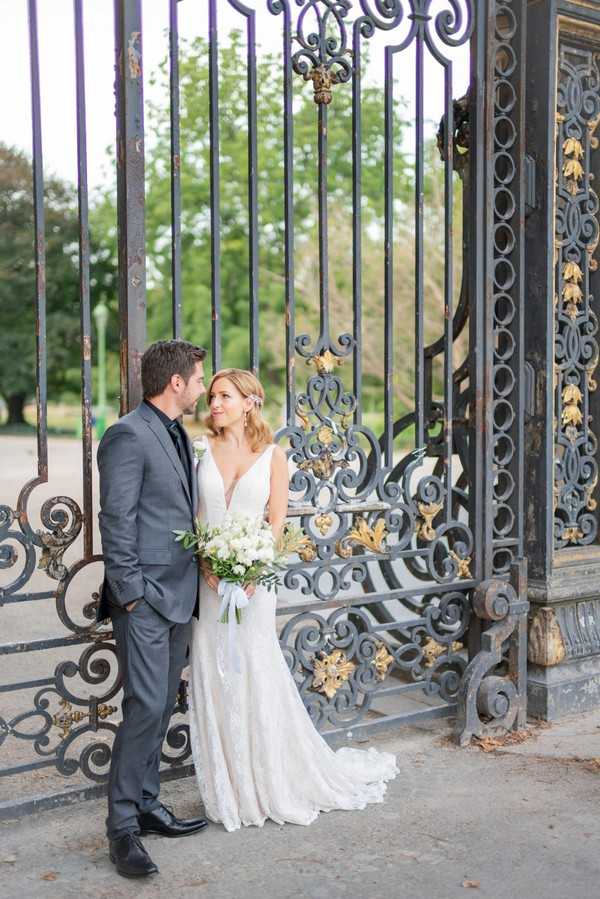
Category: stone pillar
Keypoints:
(562, 303)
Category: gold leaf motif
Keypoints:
(427, 512)
(572, 147)
(572, 312)
(325, 435)
(573, 169)
(323, 523)
(432, 650)
(325, 362)
(463, 564)
(308, 552)
(572, 415)
(304, 419)
(331, 672)
(324, 466)
(65, 720)
(370, 538)
(572, 534)
(572, 187)
(572, 293)
(383, 660)
(572, 272)
(323, 80)
(571, 394)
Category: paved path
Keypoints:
(521, 821)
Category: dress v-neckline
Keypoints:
(234, 483)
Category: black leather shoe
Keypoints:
(130, 857)
(162, 820)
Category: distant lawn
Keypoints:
(65, 421)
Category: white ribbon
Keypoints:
(233, 597)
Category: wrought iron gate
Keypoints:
(410, 581)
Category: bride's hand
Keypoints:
(249, 590)
(211, 579)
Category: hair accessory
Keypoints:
(257, 400)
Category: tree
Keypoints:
(195, 189)
(17, 284)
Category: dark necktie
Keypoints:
(175, 435)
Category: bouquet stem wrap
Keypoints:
(233, 600)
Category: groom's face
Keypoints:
(192, 391)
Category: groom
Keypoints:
(150, 590)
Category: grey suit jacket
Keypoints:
(144, 497)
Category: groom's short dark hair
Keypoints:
(166, 358)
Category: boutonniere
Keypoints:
(199, 449)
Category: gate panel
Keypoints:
(377, 605)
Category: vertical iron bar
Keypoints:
(419, 256)
(84, 282)
(39, 246)
(521, 50)
(357, 228)
(388, 288)
(130, 196)
(175, 168)
(215, 212)
(475, 220)
(288, 210)
(323, 224)
(487, 516)
(253, 193)
(448, 282)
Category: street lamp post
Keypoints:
(101, 317)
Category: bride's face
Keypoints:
(227, 404)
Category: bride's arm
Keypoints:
(280, 485)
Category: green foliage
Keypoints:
(17, 282)
(234, 223)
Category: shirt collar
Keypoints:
(158, 412)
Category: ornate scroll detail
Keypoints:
(492, 697)
(323, 57)
(506, 239)
(353, 509)
(65, 720)
(339, 661)
(576, 325)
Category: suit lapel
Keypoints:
(160, 432)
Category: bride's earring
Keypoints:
(245, 419)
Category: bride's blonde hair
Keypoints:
(258, 432)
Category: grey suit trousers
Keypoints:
(148, 645)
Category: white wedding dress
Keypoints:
(256, 751)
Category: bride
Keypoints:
(256, 751)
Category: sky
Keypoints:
(57, 69)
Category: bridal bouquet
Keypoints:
(241, 550)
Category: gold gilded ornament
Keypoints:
(463, 565)
(427, 512)
(331, 672)
(383, 660)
